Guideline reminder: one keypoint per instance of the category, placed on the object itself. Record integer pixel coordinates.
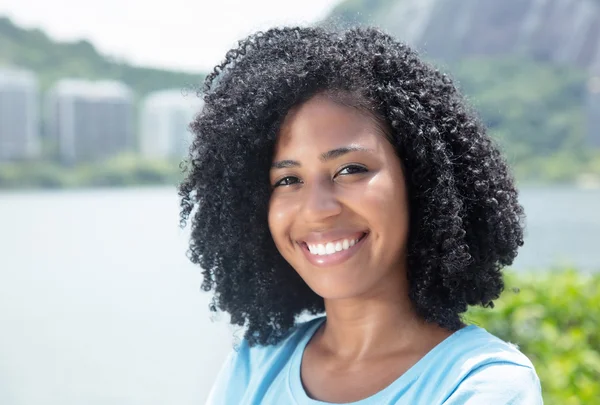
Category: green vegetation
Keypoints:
(553, 318)
(124, 170)
(33, 50)
(51, 61)
(535, 110)
(532, 108)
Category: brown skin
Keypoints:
(372, 334)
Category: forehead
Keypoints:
(321, 124)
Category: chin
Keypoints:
(343, 287)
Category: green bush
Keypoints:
(123, 170)
(554, 319)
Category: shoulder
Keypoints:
(498, 384)
(476, 347)
(488, 370)
(247, 364)
(258, 356)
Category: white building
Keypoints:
(164, 120)
(90, 120)
(19, 115)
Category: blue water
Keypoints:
(99, 305)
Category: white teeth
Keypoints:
(320, 249)
(330, 247)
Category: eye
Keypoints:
(352, 169)
(287, 181)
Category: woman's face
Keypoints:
(338, 211)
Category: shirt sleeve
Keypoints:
(218, 390)
(231, 380)
(498, 384)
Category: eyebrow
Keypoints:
(329, 155)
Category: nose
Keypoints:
(320, 201)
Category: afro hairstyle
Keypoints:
(465, 220)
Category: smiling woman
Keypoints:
(338, 174)
(339, 206)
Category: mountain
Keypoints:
(528, 67)
(537, 109)
(559, 31)
(51, 60)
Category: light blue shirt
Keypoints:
(470, 367)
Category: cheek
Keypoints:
(281, 215)
(386, 203)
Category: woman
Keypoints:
(338, 173)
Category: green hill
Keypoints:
(535, 108)
(533, 103)
(51, 60)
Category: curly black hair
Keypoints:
(465, 219)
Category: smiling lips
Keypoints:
(333, 252)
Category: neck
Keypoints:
(376, 323)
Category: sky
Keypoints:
(189, 35)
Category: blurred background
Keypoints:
(98, 302)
